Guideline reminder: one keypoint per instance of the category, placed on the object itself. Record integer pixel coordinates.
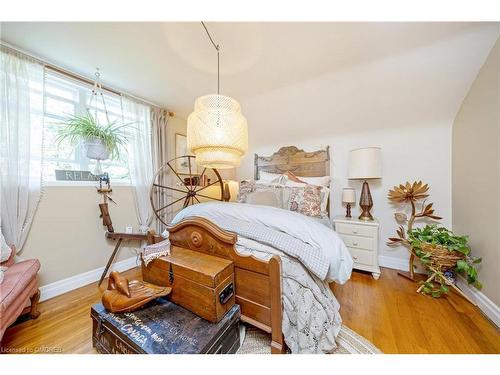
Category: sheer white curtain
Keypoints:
(21, 143)
(140, 158)
(159, 123)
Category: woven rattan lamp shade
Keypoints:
(217, 132)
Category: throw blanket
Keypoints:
(311, 242)
(311, 319)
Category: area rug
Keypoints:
(349, 342)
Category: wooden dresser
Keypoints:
(361, 238)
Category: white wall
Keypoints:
(401, 162)
(404, 103)
(67, 235)
(476, 172)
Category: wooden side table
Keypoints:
(361, 238)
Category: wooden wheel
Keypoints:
(177, 185)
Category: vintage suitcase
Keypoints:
(203, 284)
(163, 328)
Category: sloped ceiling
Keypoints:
(355, 74)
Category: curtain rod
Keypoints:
(75, 76)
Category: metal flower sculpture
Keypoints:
(410, 193)
(433, 257)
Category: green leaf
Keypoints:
(444, 288)
(461, 264)
(436, 294)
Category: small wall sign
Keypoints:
(69, 175)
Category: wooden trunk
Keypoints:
(257, 282)
(202, 283)
(163, 328)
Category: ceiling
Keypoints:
(171, 64)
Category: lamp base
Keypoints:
(366, 203)
(348, 210)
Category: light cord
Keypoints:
(217, 48)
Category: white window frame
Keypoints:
(80, 158)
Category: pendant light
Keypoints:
(217, 132)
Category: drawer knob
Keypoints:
(355, 244)
(355, 231)
(354, 257)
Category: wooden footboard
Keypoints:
(257, 282)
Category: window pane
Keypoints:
(63, 97)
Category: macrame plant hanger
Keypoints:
(96, 94)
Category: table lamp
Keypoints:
(231, 186)
(365, 164)
(348, 197)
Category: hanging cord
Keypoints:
(217, 48)
(97, 90)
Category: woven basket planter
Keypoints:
(441, 257)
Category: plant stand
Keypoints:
(442, 279)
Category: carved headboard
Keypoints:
(299, 162)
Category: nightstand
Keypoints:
(361, 238)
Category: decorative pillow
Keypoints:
(246, 187)
(325, 194)
(5, 250)
(254, 192)
(305, 200)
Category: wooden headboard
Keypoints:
(299, 162)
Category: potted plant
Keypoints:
(101, 141)
(440, 251)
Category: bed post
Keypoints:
(278, 345)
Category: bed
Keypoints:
(260, 281)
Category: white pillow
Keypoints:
(267, 177)
(264, 198)
(5, 250)
(319, 181)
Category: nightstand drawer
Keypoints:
(356, 229)
(362, 256)
(356, 242)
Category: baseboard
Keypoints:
(74, 282)
(394, 263)
(487, 306)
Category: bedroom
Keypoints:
(322, 118)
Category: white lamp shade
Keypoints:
(349, 195)
(217, 132)
(365, 163)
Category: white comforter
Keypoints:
(308, 249)
(301, 227)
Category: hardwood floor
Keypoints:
(387, 311)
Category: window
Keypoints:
(63, 97)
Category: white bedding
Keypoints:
(302, 227)
(311, 319)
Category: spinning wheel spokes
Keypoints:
(177, 185)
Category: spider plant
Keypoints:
(78, 128)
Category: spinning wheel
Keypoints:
(177, 184)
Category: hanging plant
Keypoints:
(439, 250)
(101, 141)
